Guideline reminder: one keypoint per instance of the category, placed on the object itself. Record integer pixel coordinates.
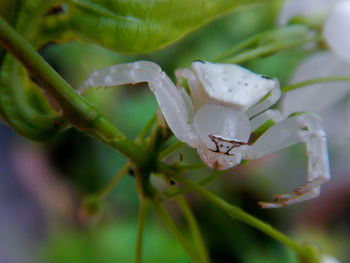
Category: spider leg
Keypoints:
(274, 96)
(262, 118)
(285, 200)
(174, 102)
(192, 83)
(301, 128)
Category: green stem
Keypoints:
(265, 50)
(279, 37)
(156, 140)
(78, 111)
(140, 227)
(172, 148)
(163, 214)
(110, 186)
(242, 45)
(313, 81)
(147, 128)
(236, 212)
(193, 166)
(22, 104)
(194, 229)
(187, 189)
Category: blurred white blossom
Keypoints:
(336, 29)
(292, 8)
(336, 15)
(318, 97)
(328, 99)
(323, 98)
(329, 259)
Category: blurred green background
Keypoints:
(41, 219)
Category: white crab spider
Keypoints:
(227, 103)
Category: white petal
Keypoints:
(329, 259)
(337, 29)
(231, 84)
(293, 8)
(336, 123)
(318, 97)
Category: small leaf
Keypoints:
(142, 26)
(9, 9)
(22, 105)
(286, 34)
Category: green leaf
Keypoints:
(137, 26)
(286, 34)
(110, 243)
(9, 9)
(22, 105)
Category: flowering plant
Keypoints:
(228, 113)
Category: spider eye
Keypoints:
(199, 60)
(265, 77)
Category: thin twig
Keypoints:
(236, 212)
(110, 186)
(187, 189)
(194, 229)
(168, 221)
(313, 81)
(140, 230)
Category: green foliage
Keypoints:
(139, 26)
(112, 243)
(22, 105)
(124, 26)
(7, 9)
(135, 27)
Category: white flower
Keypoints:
(318, 97)
(323, 98)
(337, 20)
(292, 8)
(329, 259)
(336, 29)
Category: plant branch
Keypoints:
(172, 148)
(194, 229)
(187, 189)
(241, 45)
(192, 166)
(80, 113)
(163, 214)
(313, 81)
(110, 186)
(140, 227)
(142, 135)
(237, 213)
(266, 50)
